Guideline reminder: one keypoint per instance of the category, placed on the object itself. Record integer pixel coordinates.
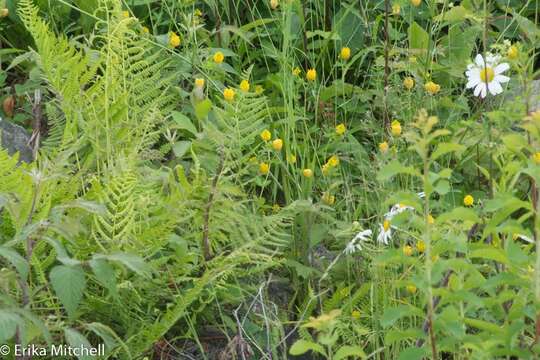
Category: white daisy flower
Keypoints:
(385, 232)
(421, 195)
(486, 76)
(356, 243)
(397, 209)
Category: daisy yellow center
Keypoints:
(487, 74)
(386, 225)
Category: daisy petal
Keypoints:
(479, 60)
(472, 83)
(501, 78)
(495, 88)
(477, 89)
(501, 68)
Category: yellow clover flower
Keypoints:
(307, 173)
(264, 168)
(408, 83)
(311, 75)
(345, 53)
(219, 57)
(395, 128)
(340, 129)
(229, 94)
(244, 85)
(266, 135)
(383, 147)
(468, 200)
(174, 39)
(432, 87)
(277, 144)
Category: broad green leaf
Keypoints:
(445, 148)
(180, 148)
(391, 315)
(394, 168)
(459, 214)
(131, 261)
(483, 325)
(302, 346)
(455, 14)
(183, 122)
(345, 351)
(76, 340)
(68, 283)
(412, 353)
(16, 260)
(514, 142)
(418, 38)
(489, 254)
(8, 324)
(104, 273)
(202, 109)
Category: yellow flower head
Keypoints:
(333, 161)
(536, 158)
(274, 4)
(328, 199)
(296, 71)
(311, 75)
(345, 53)
(244, 85)
(174, 40)
(266, 135)
(277, 144)
(416, 2)
(340, 129)
(324, 321)
(355, 314)
(407, 250)
(125, 14)
(199, 82)
(432, 87)
(396, 9)
(420, 246)
(468, 200)
(197, 12)
(408, 83)
(411, 289)
(430, 219)
(386, 225)
(307, 173)
(513, 52)
(264, 168)
(383, 147)
(228, 94)
(145, 30)
(395, 128)
(291, 159)
(259, 89)
(219, 57)
(4, 12)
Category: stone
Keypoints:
(15, 139)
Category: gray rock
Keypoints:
(15, 139)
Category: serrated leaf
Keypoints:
(445, 148)
(77, 340)
(347, 350)
(391, 315)
(104, 273)
(8, 325)
(412, 353)
(394, 168)
(489, 254)
(302, 346)
(202, 109)
(16, 260)
(68, 283)
(459, 213)
(133, 262)
(183, 122)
